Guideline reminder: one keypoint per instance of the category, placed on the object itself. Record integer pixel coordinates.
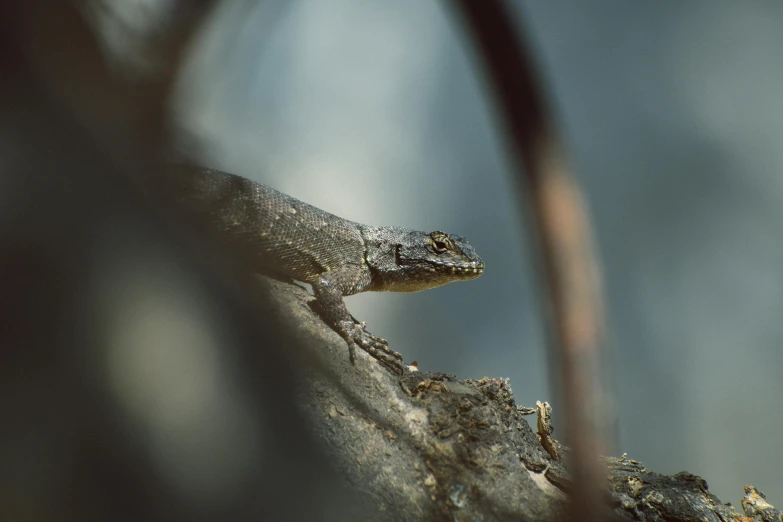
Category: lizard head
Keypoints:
(435, 259)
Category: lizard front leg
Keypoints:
(329, 289)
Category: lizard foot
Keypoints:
(378, 348)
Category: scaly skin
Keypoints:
(287, 237)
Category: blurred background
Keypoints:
(673, 119)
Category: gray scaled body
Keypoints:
(286, 237)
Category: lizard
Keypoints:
(288, 238)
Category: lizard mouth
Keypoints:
(465, 270)
(429, 274)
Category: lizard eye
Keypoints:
(440, 246)
(440, 242)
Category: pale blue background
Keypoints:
(673, 117)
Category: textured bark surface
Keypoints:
(428, 446)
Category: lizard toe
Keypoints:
(376, 347)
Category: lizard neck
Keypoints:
(380, 254)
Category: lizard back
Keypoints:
(285, 236)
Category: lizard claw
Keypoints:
(378, 348)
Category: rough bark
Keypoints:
(429, 446)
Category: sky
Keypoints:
(672, 119)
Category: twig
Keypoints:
(562, 232)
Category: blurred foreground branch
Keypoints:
(571, 289)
